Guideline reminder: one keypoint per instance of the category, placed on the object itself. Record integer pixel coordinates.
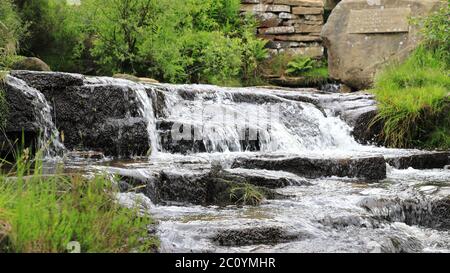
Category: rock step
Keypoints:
(426, 212)
(372, 168)
(256, 236)
(203, 187)
(420, 160)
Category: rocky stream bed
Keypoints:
(178, 149)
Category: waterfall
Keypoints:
(223, 117)
(147, 112)
(145, 105)
(49, 141)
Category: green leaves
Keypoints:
(299, 65)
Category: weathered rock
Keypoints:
(420, 160)
(371, 168)
(423, 212)
(264, 178)
(200, 187)
(135, 79)
(31, 63)
(255, 236)
(47, 81)
(104, 118)
(362, 37)
(21, 121)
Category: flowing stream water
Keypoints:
(199, 125)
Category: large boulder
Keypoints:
(98, 117)
(362, 36)
(31, 63)
(22, 124)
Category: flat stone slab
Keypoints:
(255, 236)
(265, 178)
(419, 160)
(371, 167)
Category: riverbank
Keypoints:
(60, 213)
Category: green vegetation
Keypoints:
(40, 213)
(314, 72)
(3, 105)
(414, 95)
(11, 31)
(247, 194)
(178, 41)
(299, 65)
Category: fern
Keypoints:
(300, 65)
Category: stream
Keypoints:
(330, 192)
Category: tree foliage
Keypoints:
(180, 41)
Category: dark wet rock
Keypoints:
(189, 143)
(264, 178)
(186, 145)
(183, 186)
(366, 127)
(420, 160)
(251, 236)
(31, 63)
(255, 236)
(351, 221)
(420, 211)
(103, 118)
(400, 244)
(49, 81)
(158, 101)
(201, 189)
(371, 168)
(22, 123)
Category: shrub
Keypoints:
(162, 39)
(211, 57)
(40, 213)
(11, 30)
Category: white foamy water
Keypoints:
(49, 141)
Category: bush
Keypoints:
(40, 213)
(211, 57)
(162, 39)
(11, 31)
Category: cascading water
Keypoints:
(279, 125)
(145, 106)
(407, 212)
(49, 141)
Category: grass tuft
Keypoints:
(43, 213)
(414, 101)
(247, 194)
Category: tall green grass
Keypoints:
(414, 101)
(43, 213)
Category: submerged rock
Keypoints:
(255, 236)
(421, 211)
(420, 160)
